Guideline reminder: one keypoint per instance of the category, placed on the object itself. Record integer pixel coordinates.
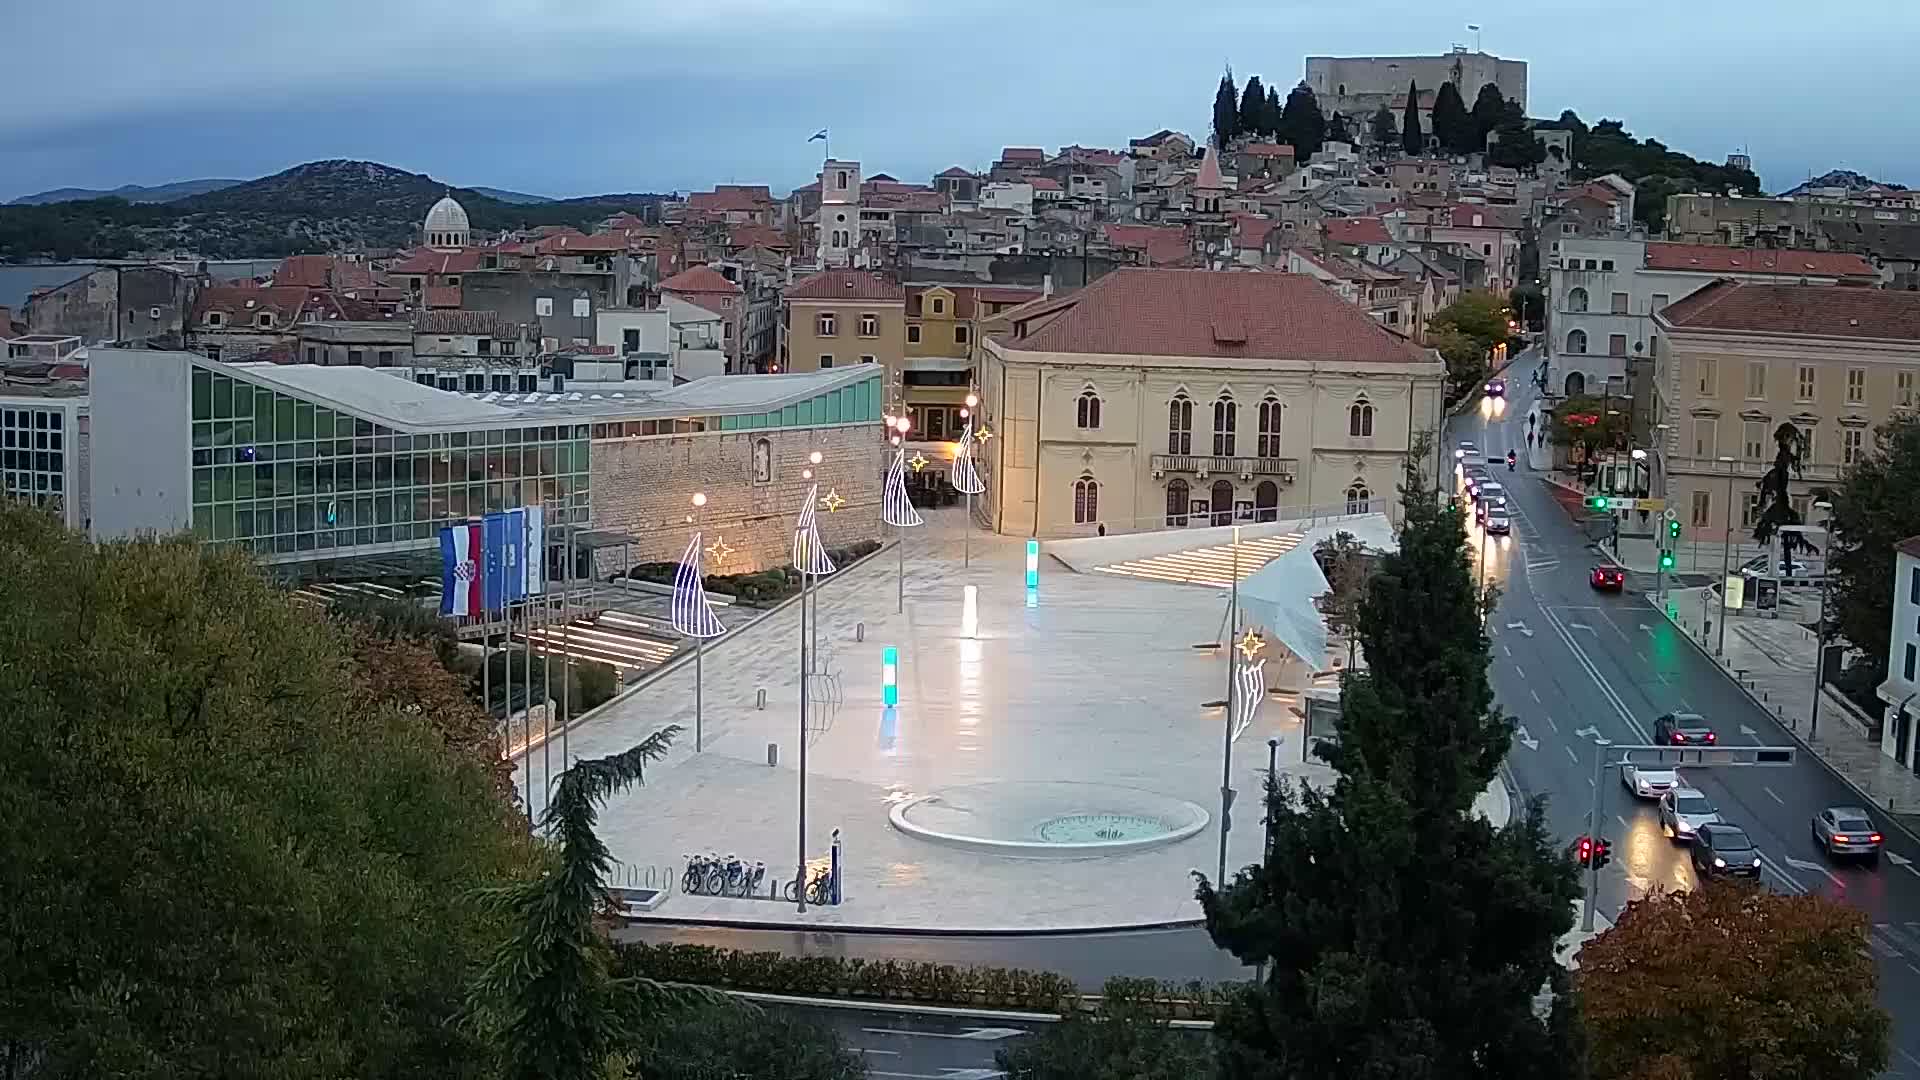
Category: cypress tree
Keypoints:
(1451, 124)
(1488, 107)
(1273, 110)
(1302, 126)
(1253, 108)
(1385, 132)
(1412, 139)
(1337, 129)
(1226, 111)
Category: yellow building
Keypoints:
(838, 318)
(944, 325)
(1158, 399)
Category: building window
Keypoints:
(1269, 441)
(1359, 499)
(214, 318)
(264, 319)
(1806, 383)
(356, 358)
(1226, 417)
(959, 335)
(939, 305)
(1749, 510)
(312, 353)
(1702, 509)
(1086, 411)
(1180, 425)
(1754, 438)
(1913, 586)
(866, 358)
(1577, 342)
(1616, 344)
(1176, 502)
(1856, 385)
(1806, 444)
(543, 306)
(1907, 672)
(869, 324)
(824, 325)
(1619, 302)
(1706, 438)
(826, 360)
(1360, 419)
(1709, 376)
(1086, 500)
(913, 335)
(1659, 303)
(1576, 299)
(1852, 446)
(1607, 264)
(1757, 380)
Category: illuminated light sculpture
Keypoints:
(810, 558)
(918, 461)
(832, 501)
(692, 612)
(1033, 565)
(966, 478)
(896, 509)
(970, 611)
(1250, 644)
(1253, 690)
(890, 676)
(809, 553)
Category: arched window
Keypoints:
(1177, 502)
(1577, 342)
(1576, 299)
(1180, 425)
(1086, 500)
(1359, 499)
(1266, 501)
(1221, 502)
(1226, 417)
(1360, 419)
(1086, 411)
(1270, 427)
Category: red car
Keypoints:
(1608, 577)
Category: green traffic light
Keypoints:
(1673, 529)
(1666, 561)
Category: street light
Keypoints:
(1726, 560)
(1819, 636)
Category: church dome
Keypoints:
(446, 224)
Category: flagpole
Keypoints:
(526, 654)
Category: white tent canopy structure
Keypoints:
(1279, 596)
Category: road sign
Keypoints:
(1672, 514)
(1668, 757)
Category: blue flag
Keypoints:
(515, 559)
(493, 587)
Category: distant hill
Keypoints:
(517, 198)
(133, 193)
(317, 207)
(1839, 178)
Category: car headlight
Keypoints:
(1756, 862)
(1684, 827)
(1720, 863)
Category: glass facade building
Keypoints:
(289, 478)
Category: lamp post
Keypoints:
(1819, 640)
(810, 558)
(693, 615)
(1226, 745)
(896, 508)
(966, 550)
(1726, 561)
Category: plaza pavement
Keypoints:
(1098, 683)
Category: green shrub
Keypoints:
(1124, 1039)
(708, 1040)
(597, 684)
(762, 588)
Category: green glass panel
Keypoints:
(789, 416)
(262, 405)
(202, 433)
(243, 432)
(202, 394)
(283, 418)
(243, 483)
(303, 420)
(223, 523)
(202, 486)
(283, 478)
(203, 522)
(223, 484)
(323, 423)
(222, 397)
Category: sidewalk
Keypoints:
(1772, 659)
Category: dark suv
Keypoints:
(1683, 729)
(1724, 849)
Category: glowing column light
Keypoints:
(1033, 564)
(970, 612)
(890, 676)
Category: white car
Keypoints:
(1648, 783)
(1465, 450)
(1683, 810)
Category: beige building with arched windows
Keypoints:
(1165, 398)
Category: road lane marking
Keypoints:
(1886, 950)
(870, 1050)
(1508, 651)
(1643, 657)
(979, 1034)
(1536, 696)
(1775, 798)
(1579, 626)
(1586, 662)
(1901, 938)
(1622, 819)
(1909, 1057)
(1780, 872)
(1802, 864)
(1556, 728)
(1522, 671)
(1574, 756)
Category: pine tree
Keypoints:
(1253, 108)
(1385, 131)
(1302, 126)
(1402, 934)
(1226, 111)
(1412, 140)
(1337, 129)
(1273, 110)
(1488, 107)
(1451, 124)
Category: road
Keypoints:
(1570, 663)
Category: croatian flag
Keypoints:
(818, 136)
(461, 547)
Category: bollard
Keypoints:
(760, 699)
(773, 754)
(859, 631)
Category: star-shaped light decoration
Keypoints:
(719, 549)
(1250, 644)
(832, 500)
(983, 434)
(918, 461)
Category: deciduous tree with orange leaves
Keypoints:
(1731, 982)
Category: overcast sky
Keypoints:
(576, 97)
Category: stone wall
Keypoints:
(643, 488)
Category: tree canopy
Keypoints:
(1585, 420)
(1403, 934)
(1489, 105)
(1656, 170)
(1253, 109)
(1301, 124)
(1412, 139)
(1382, 127)
(1226, 111)
(1452, 126)
(1121, 1041)
(229, 845)
(1873, 509)
(1466, 332)
(1337, 130)
(1730, 980)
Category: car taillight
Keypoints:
(1875, 838)
(1679, 736)
(1710, 736)
(1840, 838)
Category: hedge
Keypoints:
(765, 588)
(918, 982)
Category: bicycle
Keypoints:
(818, 889)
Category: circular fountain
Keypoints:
(1049, 819)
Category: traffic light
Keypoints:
(1666, 560)
(1602, 854)
(1583, 852)
(1673, 528)
(1596, 502)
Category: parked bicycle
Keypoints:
(819, 887)
(711, 875)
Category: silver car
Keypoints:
(1682, 811)
(1648, 783)
(1846, 831)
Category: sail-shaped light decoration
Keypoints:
(809, 554)
(692, 611)
(966, 478)
(896, 508)
(1253, 689)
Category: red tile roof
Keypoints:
(1274, 150)
(1713, 259)
(1209, 178)
(1491, 217)
(1044, 183)
(1909, 546)
(726, 198)
(1210, 313)
(746, 236)
(1023, 153)
(424, 261)
(1360, 230)
(1822, 311)
(700, 279)
(443, 296)
(1250, 231)
(606, 243)
(957, 171)
(846, 285)
(1160, 243)
(926, 202)
(322, 272)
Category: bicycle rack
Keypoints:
(640, 888)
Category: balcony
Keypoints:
(1246, 467)
(1812, 472)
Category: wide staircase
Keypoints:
(1211, 566)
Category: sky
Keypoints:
(580, 97)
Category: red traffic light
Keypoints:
(1603, 854)
(1583, 851)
